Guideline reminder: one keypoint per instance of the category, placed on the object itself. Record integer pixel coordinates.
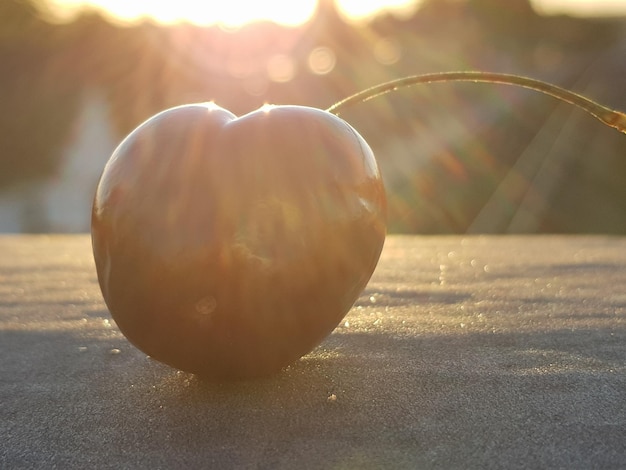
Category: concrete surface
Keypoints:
(477, 352)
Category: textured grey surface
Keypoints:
(477, 352)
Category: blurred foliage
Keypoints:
(456, 157)
(37, 96)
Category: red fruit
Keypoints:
(230, 247)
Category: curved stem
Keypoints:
(610, 117)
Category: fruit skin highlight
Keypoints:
(230, 247)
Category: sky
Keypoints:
(291, 12)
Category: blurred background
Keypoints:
(456, 158)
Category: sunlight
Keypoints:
(358, 10)
(230, 13)
(582, 8)
(291, 13)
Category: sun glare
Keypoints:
(236, 13)
(230, 13)
(358, 10)
(581, 7)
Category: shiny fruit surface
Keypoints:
(231, 246)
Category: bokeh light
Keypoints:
(455, 157)
(322, 60)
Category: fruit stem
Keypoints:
(610, 117)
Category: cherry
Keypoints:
(230, 247)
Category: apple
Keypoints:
(231, 246)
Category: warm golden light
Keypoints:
(236, 13)
(322, 60)
(356, 10)
(582, 8)
(231, 13)
(281, 68)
